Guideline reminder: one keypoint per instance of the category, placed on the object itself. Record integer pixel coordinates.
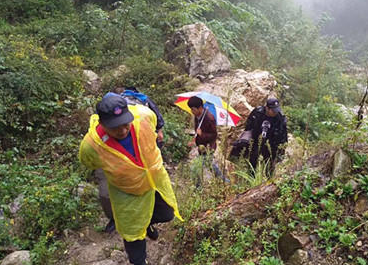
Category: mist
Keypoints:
(349, 20)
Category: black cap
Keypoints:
(113, 111)
(273, 104)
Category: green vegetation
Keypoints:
(309, 202)
(45, 45)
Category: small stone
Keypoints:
(353, 184)
(359, 244)
(300, 257)
(117, 255)
(289, 243)
(165, 260)
(361, 205)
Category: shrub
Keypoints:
(176, 140)
(33, 88)
(21, 10)
(323, 120)
(158, 79)
(49, 201)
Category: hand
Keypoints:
(199, 132)
(160, 136)
(192, 143)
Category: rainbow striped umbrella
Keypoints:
(223, 113)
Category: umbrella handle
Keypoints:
(201, 121)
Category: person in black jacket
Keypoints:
(265, 131)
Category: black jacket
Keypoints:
(274, 128)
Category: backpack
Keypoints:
(134, 98)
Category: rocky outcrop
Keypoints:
(195, 50)
(247, 206)
(243, 90)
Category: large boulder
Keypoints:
(195, 50)
(17, 258)
(243, 90)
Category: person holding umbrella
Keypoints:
(204, 125)
(205, 132)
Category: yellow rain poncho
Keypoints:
(131, 182)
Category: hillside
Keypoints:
(59, 57)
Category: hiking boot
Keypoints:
(152, 232)
(110, 227)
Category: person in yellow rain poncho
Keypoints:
(122, 141)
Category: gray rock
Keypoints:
(15, 206)
(93, 84)
(289, 243)
(300, 257)
(90, 75)
(195, 50)
(361, 205)
(17, 258)
(165, 260)
(118, 256)
(342, 163)
(243, 90)
(353, 184)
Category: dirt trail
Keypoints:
(90, 247)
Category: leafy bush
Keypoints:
(270, 261)
(323, 120)
(175, 138)
(21, 10)
(33, 88)
(49, 203)
(243, 239)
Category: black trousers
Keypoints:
(162, 213)
(252, 152)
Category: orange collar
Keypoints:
(113, 143)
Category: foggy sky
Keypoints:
(349, 18)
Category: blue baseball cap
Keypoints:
(113, 111)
